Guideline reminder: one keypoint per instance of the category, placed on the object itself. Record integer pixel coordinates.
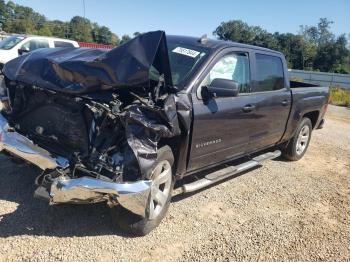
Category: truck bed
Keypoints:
(307, 100)
(297, 84)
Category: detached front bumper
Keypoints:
(84, 190)
(132, 196)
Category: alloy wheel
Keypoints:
(161, 187)
(303, 139)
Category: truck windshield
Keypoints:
(184, 59)
(10, 42)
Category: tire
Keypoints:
(141, 226)
(298, 145)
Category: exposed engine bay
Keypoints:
(88, 133)
(106, 122)
(91, 133)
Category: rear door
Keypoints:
(220, 126)
(271, 100)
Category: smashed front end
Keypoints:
(91, 120)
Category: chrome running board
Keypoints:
(226, 172)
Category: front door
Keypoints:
(220, 126)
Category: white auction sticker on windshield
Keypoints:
(185, 51)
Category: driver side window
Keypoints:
(35, 44)
(234, 67)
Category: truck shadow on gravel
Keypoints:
(21, 214)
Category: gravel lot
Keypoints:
(280, 211)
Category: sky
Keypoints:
(195, 17)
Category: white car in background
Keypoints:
(15, 45)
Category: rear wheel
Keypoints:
(159, 200)
(298, 145)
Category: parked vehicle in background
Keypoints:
(15, 45)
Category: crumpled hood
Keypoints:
(139, 63)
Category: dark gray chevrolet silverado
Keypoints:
(121, 126)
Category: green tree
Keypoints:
(309, 53)
(44, 31)
(101, 34)
(22, 19)
(22, 26)
(320, 34)
(125, 38)
(238, 31)
(292, 47)
(315, 47)
(325, 36)
(2, 7)
(333, 56)
(80, 29)
(59, 29)
(3, 14)
(235, 30)
(104, 35)
(115, 39)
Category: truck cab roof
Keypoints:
(215, 45)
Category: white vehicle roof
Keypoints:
(75, 43)
(11, 46)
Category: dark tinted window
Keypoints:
(63, 44)
(269, 73)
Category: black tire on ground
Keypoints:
(290, 152)
(135, 224)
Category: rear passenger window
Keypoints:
(63, 44)
(269, 73)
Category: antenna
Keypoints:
(203, 39)
(84, 7)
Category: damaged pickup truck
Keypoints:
(121, 126)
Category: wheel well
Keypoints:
(313, 116)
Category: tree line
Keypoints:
(20, 19)
(313, 48)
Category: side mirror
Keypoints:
(23, 50)
(220, 87)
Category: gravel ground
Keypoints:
(280, 211)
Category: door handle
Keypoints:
(248, 108)
(285, 102)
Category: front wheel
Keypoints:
(158, 202)
(298, 145)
